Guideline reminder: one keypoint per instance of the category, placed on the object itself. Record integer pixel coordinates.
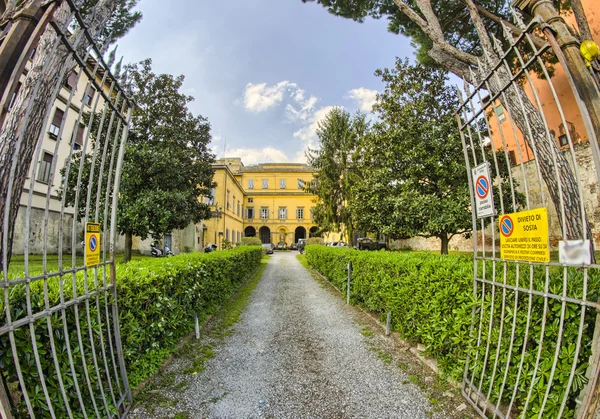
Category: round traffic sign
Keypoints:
(506, 226)
(93, 244)
(482, 187)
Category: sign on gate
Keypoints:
(484, 196)
(92, 244)
(524, 236)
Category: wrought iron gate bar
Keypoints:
(508, 363)
(91, 380)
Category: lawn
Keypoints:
(17, 264)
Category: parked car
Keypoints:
(301, 245)
(281, 246)
(268, 247)
(366, 243)
(210, 247)
(339, 244)
(293, 246)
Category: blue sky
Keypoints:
(264, 72)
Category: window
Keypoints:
(282, 213)
(313, 183)
(513, 158)
(13, 97)
(300, 184)
(281, 183)
(265, 183)
(89, 96)
(71, 80)
(239, 207)
(239, 237)
(250, 183)
(56, 121)
(563, 140)
(210, 200)
(264, 213)
(312, 213)
(250, 200)
(250, 213)
(500, 113)
(227, 234)
(32, 54)
(227, 199)
(79, 137)
(300, 213)
(45, 165)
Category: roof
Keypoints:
(278, 167)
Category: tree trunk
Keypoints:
(547, 151)
(445, 241)
(16, 148)
(128, 246)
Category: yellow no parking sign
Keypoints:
(92, 244)
(524, 236)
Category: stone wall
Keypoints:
(589, 180)
(36, 235)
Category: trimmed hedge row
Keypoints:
(157, 302)
(431, 299)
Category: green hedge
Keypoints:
(431, 299)
(157, 301)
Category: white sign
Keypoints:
(484, 194)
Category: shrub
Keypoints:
(157, 302)
(250, 241)
(432, 302)
(315, 240)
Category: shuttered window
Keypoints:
(79, 137)
(89, 96)
(45, 165)
(71, 80)
(56, 121)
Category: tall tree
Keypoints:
(415, 182)
(21, 129)
(339, 134)
(167, 166)
(454, 35)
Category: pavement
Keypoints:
(296, 352)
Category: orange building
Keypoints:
(502, 127)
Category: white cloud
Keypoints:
(365, 98)
(260, 97)
(301, 109)
(306, 108)
(258, 155)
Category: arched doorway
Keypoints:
(300, 234)
(313, 231)
(249, 232)
(265, 235)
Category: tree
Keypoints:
(415, 182)
(167, 169)
(454, 36)
(334, 161)
(50, 64)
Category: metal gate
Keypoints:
(65, 123)
(534, 334)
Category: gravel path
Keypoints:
(296, 353)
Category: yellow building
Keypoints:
(264, 200)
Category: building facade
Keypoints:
(267, 201)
